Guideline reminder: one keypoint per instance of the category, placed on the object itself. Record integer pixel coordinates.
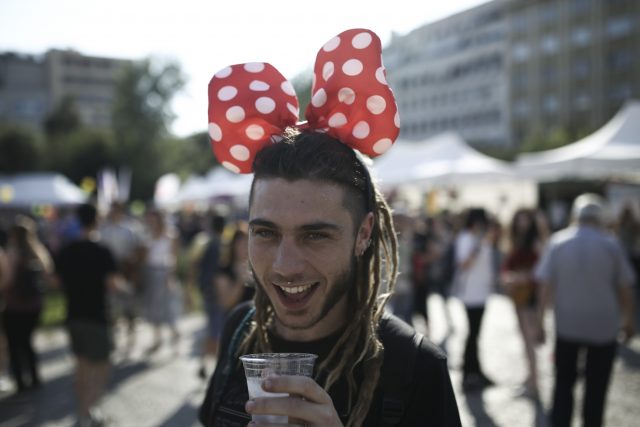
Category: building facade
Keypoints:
(573, 64)
(452, 75)
(33, 86)
(511, 71)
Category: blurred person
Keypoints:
(204, 265)
(402, 301)
(5, 382)
(628, 232)
(322, 245)
(233, 281)
(87, 272)
(474, 283)
(123, 242)
(519, 283)
(27, 265)
(161, 295)
(586, 275)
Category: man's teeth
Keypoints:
(295, 289)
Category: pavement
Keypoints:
(163, 390)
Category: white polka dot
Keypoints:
(225, 72)
(346, 95)
(258, 86)
(337, 120)
(327, 70)
(361, 130)
(254, 132)
(293, 109)
(376, 104)
(361, 41)
(396, 120)
(352, 67)
(254, 67)
(319, 98)
(235, 114)
(287, 88)
(331, 44)
(240, 152)
(382, 145)
(380, 76)
(227, 93)
(231, 167)
(265, 104)
(215, 132)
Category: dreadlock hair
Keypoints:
(320, 157)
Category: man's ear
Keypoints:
(363, 238)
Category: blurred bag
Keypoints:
(521, 294)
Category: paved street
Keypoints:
(163, 390)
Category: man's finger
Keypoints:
(298, 385)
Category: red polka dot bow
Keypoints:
(251, 104)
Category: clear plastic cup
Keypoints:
(257, 367)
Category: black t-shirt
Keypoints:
(83, 267)
(430, 401)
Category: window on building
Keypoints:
(581, 36)
(621, 92)
(582, 101)
(549, 44)
(550, 74)
(581, 7)
(581, 68)
(520, 52)
(520, 22)
(619, 26)
(521, 108)
(621, 60)
(550, 104)
(548, 13)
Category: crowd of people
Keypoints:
(120, 269)
(114, 272)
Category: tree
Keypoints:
(86, 153)
(64, 119)
(187, 156)
(302, 85)
(141, 118)
(21, 150)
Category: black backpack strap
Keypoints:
(227, 364)
(401, 344)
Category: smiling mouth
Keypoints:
(295, 297)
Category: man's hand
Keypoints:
(308, 404)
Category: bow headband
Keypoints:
(251, 104)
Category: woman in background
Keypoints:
(162, 295)
(233, 282)
(519, 284)
(27, 264)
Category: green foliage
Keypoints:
(540, 141)
(141, 118)
(21, 150)
(302, 84)
(64, 119)
(187, 156)
(85, 153)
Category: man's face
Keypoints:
(302, 246)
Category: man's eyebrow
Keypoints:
(317, 226)
(262, 223)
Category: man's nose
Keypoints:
(289, 259)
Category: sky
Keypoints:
(206, 36)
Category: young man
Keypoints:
(87, 272)
(321, 240)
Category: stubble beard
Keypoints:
(341, 285)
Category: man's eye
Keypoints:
(314, 236)
(264, 233)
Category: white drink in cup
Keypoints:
(257, 367)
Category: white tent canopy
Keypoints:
(611, 151)
(219, 182)
(443, 159)
(25, 190)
